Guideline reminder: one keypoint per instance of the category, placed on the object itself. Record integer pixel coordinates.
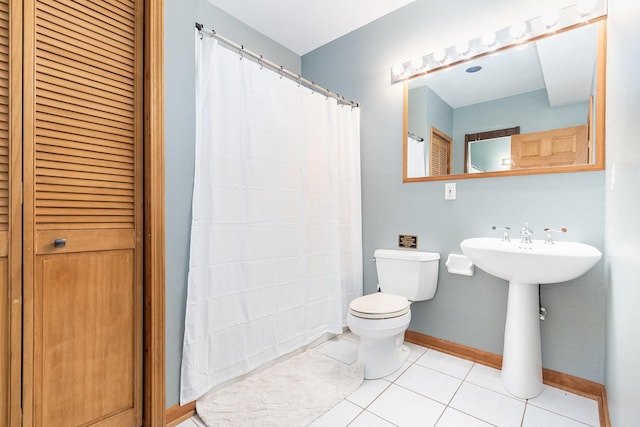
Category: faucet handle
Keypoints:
(526, 233)
(549, 237)
(505, 234)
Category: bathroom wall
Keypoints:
(622, 373)
(465, 310)
(180, 18)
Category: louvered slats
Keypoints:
(85, 115)
(4, 115)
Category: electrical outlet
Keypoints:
(450, 191)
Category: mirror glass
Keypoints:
(459, 120)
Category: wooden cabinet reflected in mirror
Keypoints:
(551, 89)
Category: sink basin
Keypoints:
(526, 266)
(534, 262)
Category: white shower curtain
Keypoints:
(276, 245)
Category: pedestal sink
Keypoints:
(525, 266)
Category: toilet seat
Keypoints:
(379, 306)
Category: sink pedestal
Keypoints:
(525, 265)
(522, 355)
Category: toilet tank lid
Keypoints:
(406, 254)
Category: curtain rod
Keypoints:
(416, 137)
(277, 68)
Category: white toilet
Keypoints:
(380, 319)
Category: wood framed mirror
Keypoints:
(439, 100)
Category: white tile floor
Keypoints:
(436, 389)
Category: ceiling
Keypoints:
(304, 26)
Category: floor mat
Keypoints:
(293, 392)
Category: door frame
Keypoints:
(154, 217)
(15, 214)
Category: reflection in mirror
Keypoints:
(552, 89)
(488, 151)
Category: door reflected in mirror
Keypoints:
(551, 89)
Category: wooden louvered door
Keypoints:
(440, 153)
(83, 212)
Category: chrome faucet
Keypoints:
(505, 234)
(549, 236)
(526, 233)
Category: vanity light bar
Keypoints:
(582, 13)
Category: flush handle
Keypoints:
(59, 243)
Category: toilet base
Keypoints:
(382, 357)
(381, 350)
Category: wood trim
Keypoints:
(480, 356)
(491, 134)
(177, 414)
(582, 387)
(15, 212)
(601, 93)
(405, 133)
(154, 226)
(539, 171)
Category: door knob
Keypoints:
(59, 243)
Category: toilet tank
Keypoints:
(412, 274)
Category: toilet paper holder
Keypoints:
(459, 264)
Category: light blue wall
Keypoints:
(417, 104)
(622, 212)
(180, 18)
(427, 109)
(465, 310)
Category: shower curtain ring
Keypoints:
(298, 79)
(241, 52)
(280, 72)
(260, 62)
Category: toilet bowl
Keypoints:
(381, 331)
(381, 319)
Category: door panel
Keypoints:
(556, 147)
(83, 212)
(87, 309)
(4, 341)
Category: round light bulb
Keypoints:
(463, 48)
(585, 7)
(550, 19)
(397, 70)
(517, 31)
(417, 63)
(488, 39)
(439, 56)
